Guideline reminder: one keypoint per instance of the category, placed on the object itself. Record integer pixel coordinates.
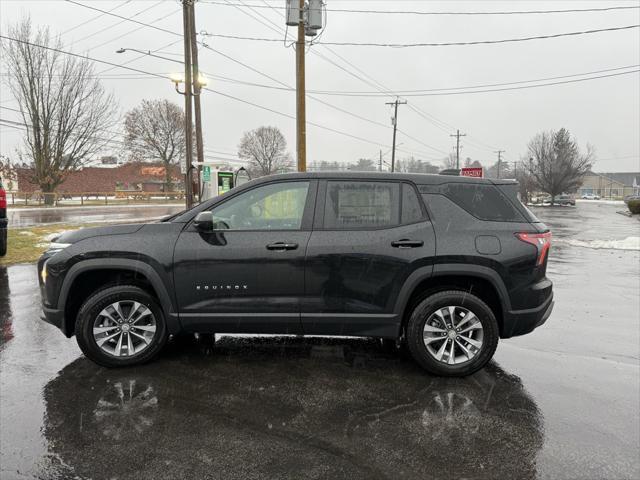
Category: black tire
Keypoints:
(3, 242)
(430, 305)
(96, 303)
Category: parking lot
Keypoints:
(562, 402)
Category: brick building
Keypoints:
(144, 177)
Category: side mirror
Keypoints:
(204, 221)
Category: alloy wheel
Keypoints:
(124, 328)
(453, 335)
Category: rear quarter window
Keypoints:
(483, 201)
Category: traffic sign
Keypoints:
(206, 173)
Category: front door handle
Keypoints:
(280, 246)
(405, 243)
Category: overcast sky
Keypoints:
(603, 112)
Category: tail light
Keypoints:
(3, 198)
(542, 241)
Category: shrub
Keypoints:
(634, 206)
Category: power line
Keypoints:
(277, 29)
(159, 19)
(94, 18)
(418, 12)
(262, 107)
(417, 93)
(112, 141)
(115, 24)
(436, 44)
(247, 66)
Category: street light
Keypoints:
(178, 78)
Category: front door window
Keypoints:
(278, 206)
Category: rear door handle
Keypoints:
(404, 243)
(282, 246)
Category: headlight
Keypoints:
(56, 247)
(43, 273)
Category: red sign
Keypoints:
(471, 172)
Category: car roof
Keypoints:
(417, 178)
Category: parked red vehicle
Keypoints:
(3, 220)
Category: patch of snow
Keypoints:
(629, 243)
(602, 201)
(26, 232)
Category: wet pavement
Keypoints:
(562, 402)
(26, 217)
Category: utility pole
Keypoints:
(308, 18)
(458, 135)
(499, 152)
(380, 163)
(395, 128)
(186, 23)
(301, 113)
(196, 94)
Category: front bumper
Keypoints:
(56, 318)
(521, 322)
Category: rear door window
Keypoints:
(351, 205)
(483, 201)
(411, 208)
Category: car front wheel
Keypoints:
(452, 333)
(120, 326)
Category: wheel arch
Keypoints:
(87, 276)
(483, 282)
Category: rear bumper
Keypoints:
(521, 322)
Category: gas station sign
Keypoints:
(206, 173)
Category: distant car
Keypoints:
(540, 199)
(3, 220)
(564, 200)
(590, 196)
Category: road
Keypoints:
(25, 217)
(562, 402)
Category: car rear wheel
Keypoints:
(120, 326)
(452, 333)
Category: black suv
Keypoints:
(444, 265)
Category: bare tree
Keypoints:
(265, 150)
(449, 161)
(414, 165)
(64, 107)
(499, 170)
(155, 130)
(364, 165)
(558, 165)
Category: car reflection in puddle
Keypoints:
(286, 407)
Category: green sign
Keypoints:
(206, 173)
(225, 182)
